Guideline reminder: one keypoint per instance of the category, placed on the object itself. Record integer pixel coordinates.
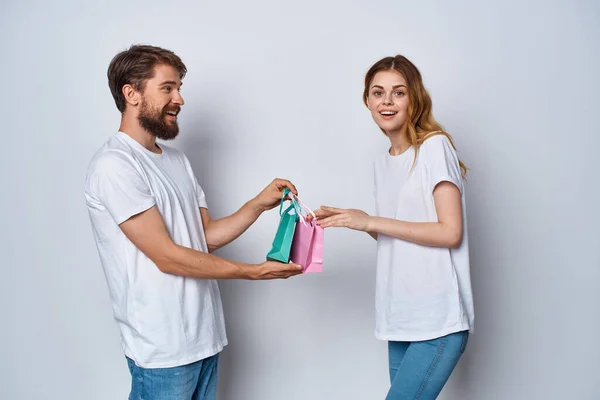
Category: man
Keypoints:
(154, 235)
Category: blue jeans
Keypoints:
(419, 370)
(196, 381)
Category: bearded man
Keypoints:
(154, 235)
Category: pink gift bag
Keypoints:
(307, 245)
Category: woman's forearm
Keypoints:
(433, 234)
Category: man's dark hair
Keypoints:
(135, 66)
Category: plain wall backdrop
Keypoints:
(274, 90)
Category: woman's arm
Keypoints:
(325, 212)
(446, 232)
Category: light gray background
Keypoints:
(274, 89)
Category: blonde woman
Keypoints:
(424, 304)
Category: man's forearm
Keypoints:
(183, 261)
(147, 231)
(225, 230)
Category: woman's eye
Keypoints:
(377, 93)
(399, 94)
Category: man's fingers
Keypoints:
(286, 273)
(284, 183)
(293, 267)
(283, 267)
(282, 276)
(287, 270)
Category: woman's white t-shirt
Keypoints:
(422, 292)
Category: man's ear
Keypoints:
(132, 96)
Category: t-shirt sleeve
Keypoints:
(441, 162)
(374, 180)
(199, 192)
(117, 185)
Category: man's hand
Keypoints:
(273, 270)
(270, 197)
(328, 217)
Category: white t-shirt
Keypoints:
(422, 292)
(165, 320)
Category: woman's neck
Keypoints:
(399, 142)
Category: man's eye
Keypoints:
(167, 89)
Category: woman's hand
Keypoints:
(328, 217)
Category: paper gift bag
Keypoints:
(282, 243)
(307, 246)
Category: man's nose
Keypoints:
(178, 99)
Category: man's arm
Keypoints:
(222, 231)
(148, 233)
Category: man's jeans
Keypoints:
(196, 381)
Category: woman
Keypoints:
(424, 306)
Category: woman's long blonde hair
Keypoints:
(420, 125)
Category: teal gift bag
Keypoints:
(282, 244)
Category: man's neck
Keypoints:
(132, 128)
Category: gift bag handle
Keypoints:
(302, 207)
(292, 199)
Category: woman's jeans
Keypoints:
(419, 370)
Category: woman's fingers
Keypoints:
(333, 221)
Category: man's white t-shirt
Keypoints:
(422, 292)
(165, 320)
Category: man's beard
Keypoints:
(153, 120)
